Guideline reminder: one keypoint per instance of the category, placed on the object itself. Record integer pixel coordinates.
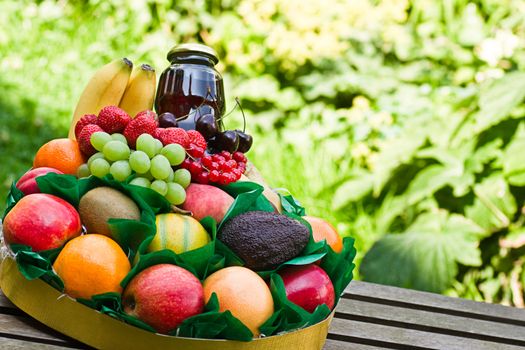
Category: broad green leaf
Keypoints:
(514, 239)
(494, 205)
(426, 256)
(513, 159)
(394, 153)
(498, 99)
(428, 181)
(352, 190)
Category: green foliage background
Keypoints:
(402, 122)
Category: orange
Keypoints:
(91, 264)
(321, 229)
(61, 154)
(243, 292)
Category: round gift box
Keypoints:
(64, 314)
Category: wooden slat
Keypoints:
(433, 302)
(342, 345)
(380, 336)
(16, 344)
(431, 322)
(27, 328)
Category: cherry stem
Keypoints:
(243, 116)
(208, 94)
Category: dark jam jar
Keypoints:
(191, 86)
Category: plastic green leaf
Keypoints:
(289, 315)
(213, 324)
(12, 198)
(34, 265)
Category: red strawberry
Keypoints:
(157, 133)
(138, 126)
(85, 120)
(197, 139)
(175, 135)
(112, 119)
(84, 139)
(147, 113)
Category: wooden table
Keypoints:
(369, 316)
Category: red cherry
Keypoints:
(214, 176)
(227, 155)
(237, 172)
(195, 151)
(214, 166)
(203, 178)
(239, 157)
(207, 161)
(218, 158)
(186, 164)
(195, 168)
(224, 178)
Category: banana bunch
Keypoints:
(117, 84)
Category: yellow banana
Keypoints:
(140, 92)
(105, 88)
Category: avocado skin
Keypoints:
(264, 240)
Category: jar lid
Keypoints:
(193, 48)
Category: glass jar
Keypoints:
(191, 86)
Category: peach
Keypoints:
(207, 200)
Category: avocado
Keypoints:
(100, 204)
(264, 240)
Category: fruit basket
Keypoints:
(137, 232)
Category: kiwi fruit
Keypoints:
(100, 204)
(264, 240)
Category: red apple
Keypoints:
(27, 183)
(41, 221)
(207, 200)
(163, 296)
(308, 286)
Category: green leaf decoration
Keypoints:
(12, 198)
(135, 237)
(34, 265)
(289, 315)
(291, 205)
(426, 256)
(494, 205)
(213, 324)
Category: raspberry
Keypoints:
(85, 120)
(84, 139)
(239, 157)
(113, 119)
(148, 113)
(174, 135)
(197, 139)
(157, 133)
(138, 126)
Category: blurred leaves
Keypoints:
(374, 114)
